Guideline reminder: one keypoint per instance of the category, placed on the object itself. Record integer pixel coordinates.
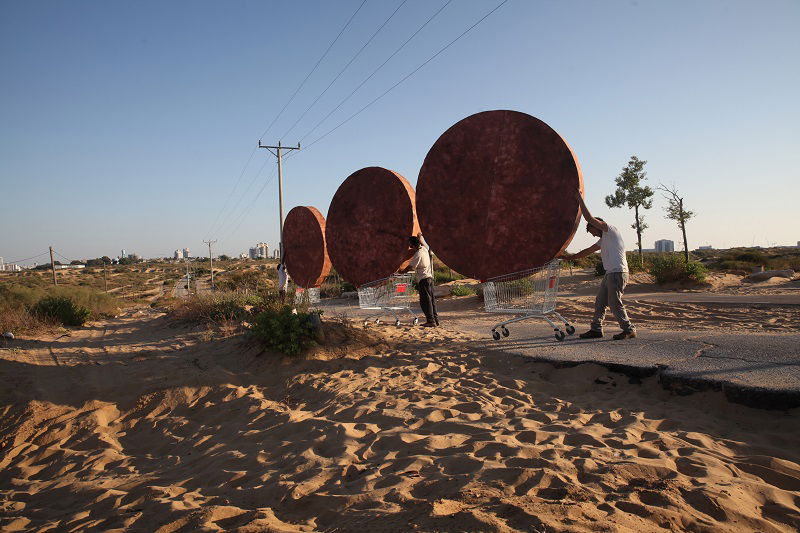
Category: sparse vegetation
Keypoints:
(24, 308)
(669, 267)
(462, 290)
(284, 330)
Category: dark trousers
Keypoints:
(427, 301)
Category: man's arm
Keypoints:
(599, 224)
(583, 253)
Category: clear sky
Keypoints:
(131, 124)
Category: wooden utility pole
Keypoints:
(105, 276)
(53, 266)
(277, 153)
(211, 259)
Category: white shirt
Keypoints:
(421, 262)
(283, 278)
(612, 250)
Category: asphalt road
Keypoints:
(756, 369)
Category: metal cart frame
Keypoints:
(388, 295)
(311, 295)
(532, 293)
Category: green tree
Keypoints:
(677, 212)
(631, 193)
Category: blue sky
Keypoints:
(127, 125)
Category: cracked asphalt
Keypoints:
(756, 369)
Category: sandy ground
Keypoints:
(138, 424)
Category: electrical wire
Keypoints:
(385, 22)
(346, 98)
(26, 259)
(246, 211)
(448, 45)
(230, 195)
(227, 217)
(302, 83)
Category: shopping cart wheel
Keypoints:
(570, 329)
(505, 331)
(377, 320)
(396, 321)
(416, 321)
(559, 335)
(496, 334)
(366, 323)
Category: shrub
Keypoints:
(599, 269)
(285, 331)
(217, 307)
(63, 309)
(462, 290)
(672, 267)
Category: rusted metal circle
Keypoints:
(495, 194)
(370, 219)
(305, 253)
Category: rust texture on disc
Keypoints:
(306, 255)
(495, 194)
(370, 219)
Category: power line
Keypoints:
(246, 211)
(302, 83)
(226, 219)
(313, 69)
(230, 195)
(448, 45)
(346, 98)
(385, 22)
(26, 259)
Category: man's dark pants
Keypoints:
(427, 301)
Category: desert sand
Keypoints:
(140, 424)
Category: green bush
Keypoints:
(599, 269)
(285, 331)
(672, 267)
(62, 308)
(462, 290)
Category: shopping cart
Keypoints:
(310, 296)
(389, 295)
(531, 293)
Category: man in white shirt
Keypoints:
(612, 251)
(421, 263)
(283, 281)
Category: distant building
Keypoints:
(798, 244)
(276, 254)
(259, 251)
(70, 267)
(186, 254)
(178, 255)
(665, 245)
(242, 255)
(134, 257)
(709, 247)
(123, 253)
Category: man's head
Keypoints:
(413, 241)
(594, 231)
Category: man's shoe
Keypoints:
(437, 321)
(429, 325)
(624, 335)
(591, 334)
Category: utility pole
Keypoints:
(211, 258)
(53, 266)
(105, 276)
(187, 276)
(277, 153)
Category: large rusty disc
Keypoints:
(370, 219)
(305, 253)
(495, 194)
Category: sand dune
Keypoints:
(136, 425)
